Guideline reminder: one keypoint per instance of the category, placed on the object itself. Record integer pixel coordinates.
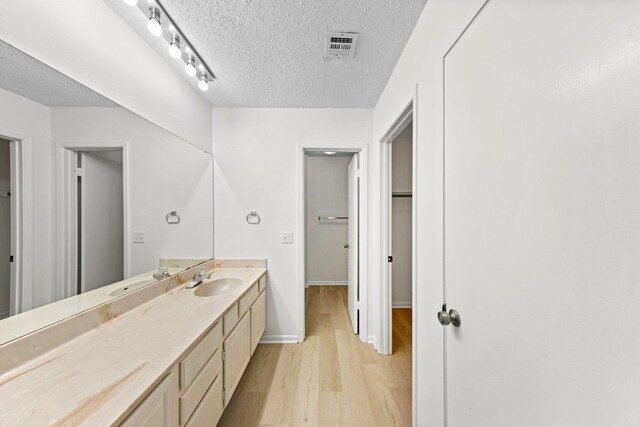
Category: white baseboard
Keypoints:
(371, 339)
(327, 284)
(279, 339)
(401, 304)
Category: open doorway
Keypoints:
(94, 212)
(398, 208)
(401, 238)
(331, 215)
(332, 194)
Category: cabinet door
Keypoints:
(159, 409)
(237, 351)
(257, 321)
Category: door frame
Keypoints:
(362, 224)
(22, 238)
(407, 114)
(67, 244)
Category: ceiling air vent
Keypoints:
(340, 45)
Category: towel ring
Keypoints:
(253, 218)
(173, 218)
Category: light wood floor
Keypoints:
(331, 379)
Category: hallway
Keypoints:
(332, 378)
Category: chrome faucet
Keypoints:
(163, 273)
(198, 278)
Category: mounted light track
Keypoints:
(159, 23)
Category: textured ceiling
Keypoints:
(30, 78)
(269, 53)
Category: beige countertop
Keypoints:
(21, 324)
(99, 376)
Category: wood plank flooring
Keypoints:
(331, 379)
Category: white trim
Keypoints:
(22, 209)
(363, 225)
(279, 339)
(402, 304)
(371, 339)
(66, 241)
(327, 284)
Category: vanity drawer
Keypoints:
(209, 412)
(231, 319)
(248, 299)
(193, 363)
(192, 397)
(262, 283)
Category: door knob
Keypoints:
(452, 317)
(346, 246)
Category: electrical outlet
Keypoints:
(138, 237)
(287, 237)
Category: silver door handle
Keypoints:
(346, 246)
(452, 317)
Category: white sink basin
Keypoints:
(131, 287)
(217, 286)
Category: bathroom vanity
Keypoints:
(163, 355)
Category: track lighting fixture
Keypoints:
(174, 47)
(160, 24)
(153, 24)
(203, 84)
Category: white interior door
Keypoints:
(102, 219)
(353, 213)
(542, 214)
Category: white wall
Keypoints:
(421, 64)
(326, 183)
(24, 119)
(5, 228)
(164, 173)
(91, 44)
(401, 216)
(256, 155)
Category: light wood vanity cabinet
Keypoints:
(196, 391)
(258, 321)
(159, 408)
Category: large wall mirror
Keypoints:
(95, 201)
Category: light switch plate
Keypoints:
(287, 237)
(138, 237)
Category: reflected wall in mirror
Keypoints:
(86, 188)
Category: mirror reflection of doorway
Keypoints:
(99, 218)
(5, 228)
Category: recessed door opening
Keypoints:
(401, 238)
(331, 236)
(398, 243)
(96, 218)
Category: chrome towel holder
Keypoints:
(253, 217)
(173, 217)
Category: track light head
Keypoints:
(153, 25)
(190, 69)
(174, 46)
(203, 84)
